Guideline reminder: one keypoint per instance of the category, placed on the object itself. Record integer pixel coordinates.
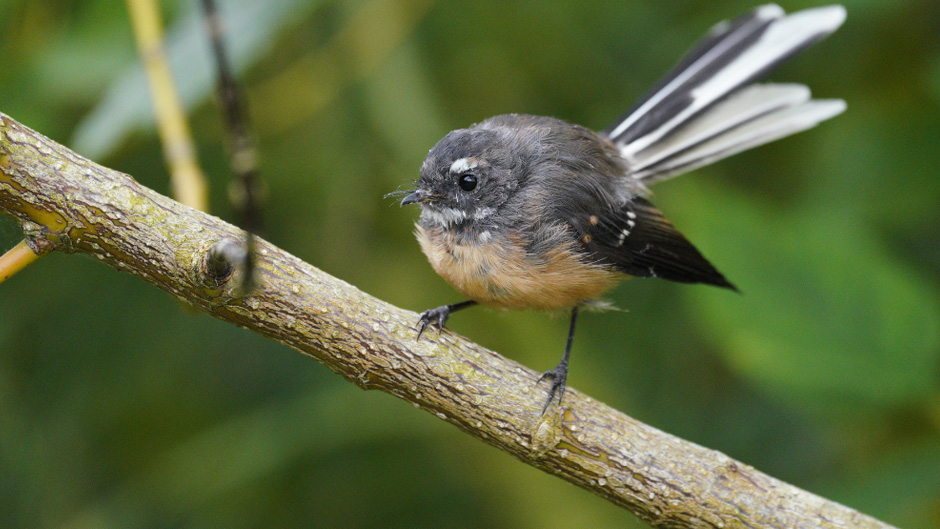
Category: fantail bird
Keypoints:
(533, 212)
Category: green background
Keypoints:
(121, 408)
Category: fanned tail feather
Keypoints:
(705, 110)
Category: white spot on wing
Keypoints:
(623, 236)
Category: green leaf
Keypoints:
(251, 27)
(829, 319)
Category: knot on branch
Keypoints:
(224, 266)
(219, 263)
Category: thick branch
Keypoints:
(75, 205)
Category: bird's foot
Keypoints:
(437, 315)
(559, 376)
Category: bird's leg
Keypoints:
(559, 374)
(439, 315)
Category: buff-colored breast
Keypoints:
(500, 274)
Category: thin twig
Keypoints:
(189, 184)
(244, 161)
(18, 258)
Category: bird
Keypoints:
(533, 212)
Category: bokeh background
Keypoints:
(121, 408)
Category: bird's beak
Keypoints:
(417, 196)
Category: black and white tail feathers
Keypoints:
(706, 109)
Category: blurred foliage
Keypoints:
(121, 408)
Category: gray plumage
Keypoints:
(524, 211)
(549, 180)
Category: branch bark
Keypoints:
(74, 205)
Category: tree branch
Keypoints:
(71, 204)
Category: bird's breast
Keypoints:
(496, 270)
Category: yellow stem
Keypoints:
(18, 258)
(187, 180)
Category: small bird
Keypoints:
(532, 212)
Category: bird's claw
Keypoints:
(437, 315)
(559, 376)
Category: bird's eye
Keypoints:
(467, 182)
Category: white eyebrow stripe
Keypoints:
(463, 164)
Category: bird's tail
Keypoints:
(706, 108)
